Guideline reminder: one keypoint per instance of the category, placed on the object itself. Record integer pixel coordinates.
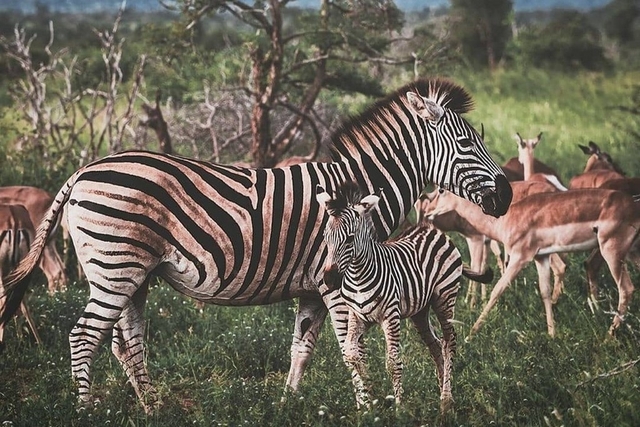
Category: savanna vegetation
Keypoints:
(571, 75)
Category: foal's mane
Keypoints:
(447, 94)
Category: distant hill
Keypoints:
(89, 6)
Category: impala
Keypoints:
(37, 202)
(600, 168)
(16, 234)
(547, 223)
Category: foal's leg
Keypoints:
(391, 327)
(354, 356)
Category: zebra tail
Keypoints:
(17, 281)
(485, 277)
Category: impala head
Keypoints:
(438, 202)
(457, 158)
(598, 159)
(526, 147)
(347, 226)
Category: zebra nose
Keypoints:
(332, 277)
(496, 201)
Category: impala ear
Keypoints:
(367, 203)
(594, 147)
(520, 140)
(425, 108)
(585, 150)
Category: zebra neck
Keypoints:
(399, 189)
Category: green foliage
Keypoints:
(569, 42)
(481, 29)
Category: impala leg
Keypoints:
(310, 316)
(391, 328)
(516, 263)
(559, 268)
(128, 347)
(614, 254)
(53, 268)
(354, 356)
(544, 283)
(30, 322)
(478, 261)
(592, 265)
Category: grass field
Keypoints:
(227, 366)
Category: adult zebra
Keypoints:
(238, 236)
(384, 282)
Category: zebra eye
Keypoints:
(465, 143)
(349, 239)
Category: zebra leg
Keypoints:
(391, 328)
(444, 308)
(128, 347)
(354, 356)
(106, 304)
(309, 319)
(431, 340)
(340, 318)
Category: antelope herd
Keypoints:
(598, 213)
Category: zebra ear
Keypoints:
(425, 108)
(322, 197)
(367, 203)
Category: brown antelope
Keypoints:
(599, 169)
(526, 165)
(630, 186)
(37, 202)
(547, 223)
(478, 242)
(16, 234)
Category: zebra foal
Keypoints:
(384, 282)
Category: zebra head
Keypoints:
(455, 154)
(349, 226)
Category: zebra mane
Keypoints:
(347, 194)
(444, 92)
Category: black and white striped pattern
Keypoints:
(238, 236)
(384, 282)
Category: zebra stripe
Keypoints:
(237, 236)
(384, 282)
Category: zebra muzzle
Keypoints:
(332, 277)
(496, 201)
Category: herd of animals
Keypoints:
(344, 252)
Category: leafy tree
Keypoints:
(567, 42)
(622, 20)
(286, 60)
(481, 29)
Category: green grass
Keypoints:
(228, 366)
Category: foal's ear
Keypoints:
(367, 203)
